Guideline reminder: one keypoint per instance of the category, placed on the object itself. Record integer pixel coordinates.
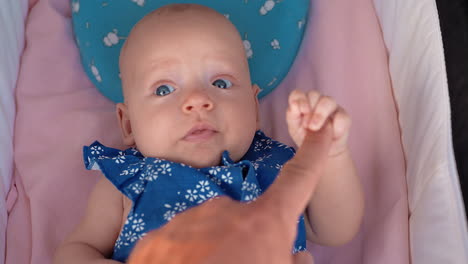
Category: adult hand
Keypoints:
(226, 231)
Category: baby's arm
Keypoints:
(93, 239)
(336, 209)
(335, 212)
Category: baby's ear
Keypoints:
(125, 125)
(257, 90)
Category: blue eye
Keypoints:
(222, 83)
(164, 90)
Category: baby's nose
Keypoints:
(197, 102)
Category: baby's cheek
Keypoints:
(151, 136)
(243, 132)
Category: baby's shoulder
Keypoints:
(118, 204)
(104, 190)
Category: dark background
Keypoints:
(453, 15)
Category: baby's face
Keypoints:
(188, 94)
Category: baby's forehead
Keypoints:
(183, 14)
(178, 17)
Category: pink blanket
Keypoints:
(59, 111)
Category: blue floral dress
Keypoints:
(159, 189)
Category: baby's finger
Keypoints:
(299, 98)
(293, 102)
(293, 113)
(295, 96)
(313, 98)
(341, 123)
(325, 107)
(293, 117)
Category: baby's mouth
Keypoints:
(200, 132)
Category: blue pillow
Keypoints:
(272, 32)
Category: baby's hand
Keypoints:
(310, 111)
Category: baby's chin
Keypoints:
(203, 158)
(203, 161)
(200, 162)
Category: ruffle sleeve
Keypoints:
(123, 169)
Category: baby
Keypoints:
(190, 116)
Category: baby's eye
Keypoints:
(164, 90)
(222, 83)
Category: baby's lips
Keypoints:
(200, 131)
(200, 135)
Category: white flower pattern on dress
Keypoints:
(180, 207)
(152, 173)
(96, 150)
(215, 170)
(138, 224)
(131, 236)
(203, 186)
(263, 145)
(217, 181)
(205, 197)
(165, 169)
(131, 232)
(169, 215)
(134, 151)
(201, 198)
(191, 195)
(138, 188)
(251, 187)
(250, 198)
(297, 249)
(227, 178)
(211, 195)
(281, 145)
(120, 158)
(128, 172)
(256, 165)
(120, 242)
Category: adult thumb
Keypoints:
(289, 194)
(303, 257)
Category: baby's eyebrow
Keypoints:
(226, 63)
(163, 63)
(158, 66)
